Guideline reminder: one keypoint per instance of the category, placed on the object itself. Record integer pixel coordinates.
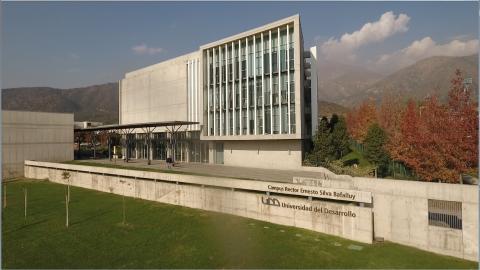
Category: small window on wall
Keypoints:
(447, 214)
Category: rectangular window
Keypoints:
(267, 91)
(292, 87)
(259, 92)
(266, 54)
(276, 120)
(292, 118)
(251, 93)
(251, 119)
(284, 119)
(250, 58)
(274, 53)
(267, 120)
(244, 123)
(237, 122)
(259, 122)
(244, 94)
(447, 214)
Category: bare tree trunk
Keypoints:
(5, 195)
(124, 216)
(66, 208)
(68, 191)
(25, 201)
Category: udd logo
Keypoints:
(270, 201)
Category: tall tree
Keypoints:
(340, 138)
(323, 148)
(389, 117)
(360, 119)
(375, 152)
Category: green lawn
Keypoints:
(165, 236)
(356, 157)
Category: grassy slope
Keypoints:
(355, 155)
(165, 236)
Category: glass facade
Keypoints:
(185, 147)
(250, 85)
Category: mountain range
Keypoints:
(352, 85)
(92, 103)
(341, 87)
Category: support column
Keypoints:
(214, 96)
(227, 96)
(288, 79)
(209, 124)
(254, 86)
(271, 83)
(233, 91)
(220, 81)
(240, 86)
(263, 84)
(248, 88)
(279, 83)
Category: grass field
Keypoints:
(164, 236)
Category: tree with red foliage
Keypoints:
(360, 119)
(440, 141)
(463, 124)
(389, 117)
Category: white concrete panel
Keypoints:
(34, 136)
(271, 154)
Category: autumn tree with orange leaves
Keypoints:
(360, 119)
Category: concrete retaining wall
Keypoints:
(218, 194)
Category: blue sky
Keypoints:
(73, 44)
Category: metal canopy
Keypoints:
(138, 125)
(172, 127)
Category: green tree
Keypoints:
(333, 121)
(323, 148)
(340, 138)
(375, 152)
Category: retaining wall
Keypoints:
(244, 198)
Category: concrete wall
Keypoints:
(216, 194)
(34, 136)
(156, 93)
(400, 210)
(269, 154)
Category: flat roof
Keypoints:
(251, 31)
(138, 125)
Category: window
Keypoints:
(447, 214)
(276, 120)
(259, 92)
(292, 118)
(250, 58)
(274, 53)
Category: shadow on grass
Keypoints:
(27, 226)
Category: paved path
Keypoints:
(218, 170)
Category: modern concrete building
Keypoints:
(34, 136)
(251, 93)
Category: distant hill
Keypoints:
(431, 75)
(327, 109)
(92, 103)
(338, 82)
